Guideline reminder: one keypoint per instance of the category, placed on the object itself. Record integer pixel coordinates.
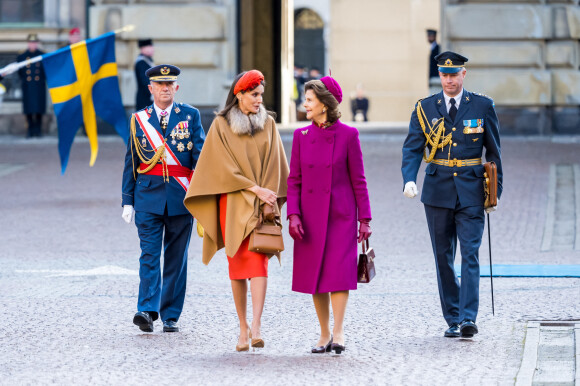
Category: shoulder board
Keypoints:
(427, 97)
(483, 95)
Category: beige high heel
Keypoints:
(258, 342)
(244, 347)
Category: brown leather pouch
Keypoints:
(490, 184)
(366, 263)
(266, 237)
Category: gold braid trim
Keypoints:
(436, 136)
(140, 150)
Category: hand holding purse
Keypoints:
(267, 236)
(366, 264)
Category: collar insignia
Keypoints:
(467, 99)
(150, 110)
(177, 109)
(438, 101)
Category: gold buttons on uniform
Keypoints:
(454, 129)
(454, 174)
(37, 78)
(454, 144)
(28, 79)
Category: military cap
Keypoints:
(431, 32)
(450, 62)
(163, 73)
(144, 42)
(32, 38)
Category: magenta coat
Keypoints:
(328, 189)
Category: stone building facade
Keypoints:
(525, 54)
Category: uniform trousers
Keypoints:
(34, 124)
(173, 233)
(458, 301)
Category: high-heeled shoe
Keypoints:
(322, 349)
(256, 343)
(244, 347)
(337, 348)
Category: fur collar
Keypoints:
(247, 124)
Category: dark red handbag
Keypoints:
(366, 263)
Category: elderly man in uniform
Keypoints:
(164, 145)
(33, 87)
(449, 130)
(143, 63)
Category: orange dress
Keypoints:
(244, 264)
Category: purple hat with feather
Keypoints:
(332, 86)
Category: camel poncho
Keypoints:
(232, 160)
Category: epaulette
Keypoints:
(427, 97)
(485, 96)
(182, 105)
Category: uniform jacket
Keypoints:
(33, 84)
(433, 69)
(441, 187)
(143, 98)
(328, 189)
(149, 193)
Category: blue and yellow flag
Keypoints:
(82, 80)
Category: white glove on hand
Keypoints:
(492, 208)
(128, 213)
(410, 189)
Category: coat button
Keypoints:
(454, 129)
(311, 166)
(327, 190)
(455, 144)
(454, 174)
(309, 190)
(329, 140)
(327, 165)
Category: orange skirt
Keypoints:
(245, 264)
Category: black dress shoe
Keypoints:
(170, 325)
(468, 328)
(144, 321)
(322, 349)
(453, 331)
(337, 348)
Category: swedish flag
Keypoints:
(82, 80)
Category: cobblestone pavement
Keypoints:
(68, 284)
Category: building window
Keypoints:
(21, 11)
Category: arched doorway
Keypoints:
(308, 39)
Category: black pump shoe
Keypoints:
(337, 348)
(322, 349)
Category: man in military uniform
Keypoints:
(164, 145)
(434, 51)
(33, 87)
(143, 62)
(449, 130)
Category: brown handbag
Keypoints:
(267, 236)
(366, 263)
(490, 184)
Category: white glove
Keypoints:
(128, 213)
(491, 208)
(9, 69)
(410, 189)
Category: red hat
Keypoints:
(332, 86)
(75, 30)
(249, 81)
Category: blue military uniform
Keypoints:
(157, 196)
(33, 83)
(453, 192)
(142, 64)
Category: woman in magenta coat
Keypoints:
(327, 194)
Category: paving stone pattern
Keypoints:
(68, 285)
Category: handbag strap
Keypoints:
(365, 246)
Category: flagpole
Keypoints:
(15, 66)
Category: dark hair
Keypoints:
(325, 97)
(232, 101)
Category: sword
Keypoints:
(490, 265)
